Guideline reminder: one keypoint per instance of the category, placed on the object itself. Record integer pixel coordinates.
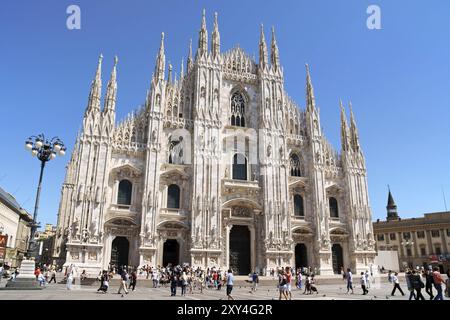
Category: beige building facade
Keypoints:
(15, 224)
(419, 242)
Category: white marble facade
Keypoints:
(293, 199)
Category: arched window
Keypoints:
(239, 167)
(334, 211)
(237, 110)
(124, 194)
(298, 206)
(173, 197)
(295, 166)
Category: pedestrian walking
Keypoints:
(364, 284)
(288, 282)
(408, 278)
(396, 283)
(184, 282)
(52, 275)
(417, 284)
(133, 280)
(368, 277)
(299, 280)
(307, 284)
(429, 283)
(438, 281)
(282, 285)
(349, 276)
(155, 278)
(230, 282)
(173, 283)
(123, 281)
(255, 280)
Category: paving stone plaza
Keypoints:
(331, 289)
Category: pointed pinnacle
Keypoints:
(116, 60)
(263, 38)
(204, 19)
(216, 23)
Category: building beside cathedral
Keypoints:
(219, 168)
(420, 242)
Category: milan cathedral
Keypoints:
(219, 167)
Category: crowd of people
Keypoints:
(195, 279)
(421, 278)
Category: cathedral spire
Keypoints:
(160, 61)
(96, 89)
(263, 56)
(344, 129)
(275, 53)
(354, 136)
(203, 37)
(169, 75)
(215, 45)
(391, 207)
(111, 91)
(182, 69)
(189, 60)
(310, 99)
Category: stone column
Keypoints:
(444, 242)
(414, 239)
(400, 247)
(252, 248)
(227, 247)
(108, 239)
(429, 242)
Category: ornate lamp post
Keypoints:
(45, 150)
(408, 245)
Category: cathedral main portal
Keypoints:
(120, 252)
(240, 251)
(171, 253)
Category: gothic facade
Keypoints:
(219, 168)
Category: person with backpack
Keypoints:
(428, 275)
(408, 277)
(417, 284)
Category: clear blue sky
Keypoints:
(398, 79)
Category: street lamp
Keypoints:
(45, 150)
(408, 244)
